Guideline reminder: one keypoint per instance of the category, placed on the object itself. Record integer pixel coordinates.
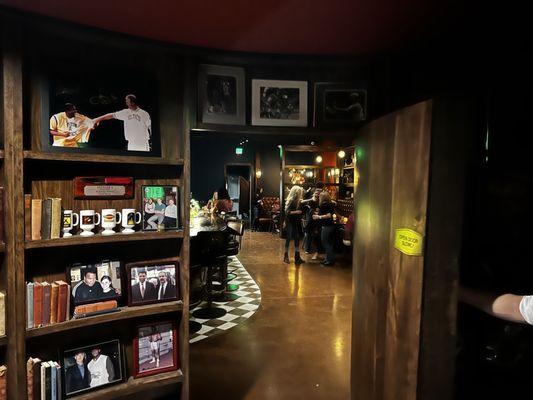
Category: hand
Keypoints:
(315, 217)
(96, 122)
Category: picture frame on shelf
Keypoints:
(279, 103)
(93, 283)
(221, 94)
(152, 282)
(339, 104)
(155, 349)
(160, 207)
(87, 109)
(101, 363)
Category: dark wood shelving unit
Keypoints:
(133, 386)
(124, 313)
(2, 247)
(100, 158)
(3, 340)
(98, 238)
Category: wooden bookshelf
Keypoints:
(124, 313)
(2, 247)
(98, 238)
(3, 340)
(100, 158)
(133, 386)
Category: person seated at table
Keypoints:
(325, 218)
(221, 206)
(211, 202)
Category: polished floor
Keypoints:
(296, 346)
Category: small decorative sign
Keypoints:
(409, 242)
(101, 187)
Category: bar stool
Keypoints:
(198, 279)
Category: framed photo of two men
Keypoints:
(153, 281)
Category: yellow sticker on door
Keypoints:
(409, 242)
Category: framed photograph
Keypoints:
(339, 103)
(160, 209)
(90, 367)
(221, 95)
(279, 103)
(153, 281)
(155, 349)
(92, 283)
(92, 110)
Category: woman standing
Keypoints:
(293, 215)
(325, 218)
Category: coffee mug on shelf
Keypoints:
(70, 220)
(130, 218)
(88, 220)
(110, 219)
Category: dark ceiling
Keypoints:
(347, 27)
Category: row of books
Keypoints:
(47, 303)
(42, 218)
(43, 380)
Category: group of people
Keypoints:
(83, 375)
(158, 215)
(313, 211)
(89, 289)
(144, 290)
(219, 205)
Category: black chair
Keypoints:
(197, 282)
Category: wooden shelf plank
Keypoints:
(124, 313)
(86, 240)
(101, 158)
(3, 340)
(133, 386)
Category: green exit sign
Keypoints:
(238, 150)
(154, 192)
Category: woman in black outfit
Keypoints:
(325, 218)
(311, 228)
(293, 216)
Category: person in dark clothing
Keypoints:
(143, 290)
(293, 218)
(325, 218)
(78, 376)
(89, 289)
(257, 203)
(311, 227)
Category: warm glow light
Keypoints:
(341, 154)
(258, 174)
(318, 159)
(337, 171)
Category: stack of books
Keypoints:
(47, 303)
(42, 218)
(43, 380)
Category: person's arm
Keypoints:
(53, 128)
(97, 120)
(504, 306)
(110, 369)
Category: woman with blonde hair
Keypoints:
(325, 218)
(293, 217)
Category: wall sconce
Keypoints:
(341, 154)
(258, 174)
(318, 159)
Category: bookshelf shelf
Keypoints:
(124, 313)
(133, 386)
(98, 238)
(100, 158)
(3, 340)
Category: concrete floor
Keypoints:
(297, 345)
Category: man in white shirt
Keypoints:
(171, 215)
(137, 124)
(101, 369)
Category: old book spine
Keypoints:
(37, 304)
(53, 306)
(29, 377)
(36, 211)
(29, 305)
(55, 224)
(68, 303)
(27, 217)
(47, 302)
(3, 382)
(36, 379)
(2, 313)
(46, 219)
(62, 301)
(1, 214)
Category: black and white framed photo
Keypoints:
(221, 95)
(92, 283)
(91, 367)
(279, 103)
(155, 349)
(339, 103)
(160, 209)
(152, 281)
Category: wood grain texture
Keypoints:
(101, 158)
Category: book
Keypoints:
(37, 304)
(45, 380)
(53, 303)
(2, 313)
(3, 382)
(46, 219)
(36, 211)
(1, 214)
(31, 366)
(62, 300)
(27, 217)
(53, 380)
(37, 379)
(68, 304)
(94, 313)
(55, 223)
(100, 306)
(47, 294)
(29, 305)
(59, 381)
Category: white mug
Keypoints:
(88, 220)
(130, 218)
(70, 220)
(110, 219)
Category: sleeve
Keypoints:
(526, 309)
(148, 122)
(53, 123)
(110, 369)
(121, 115)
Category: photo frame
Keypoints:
(160, 207)
(155, 349)
(101, 363)
(154, 281)
(339, 104)
(279, 103)
(93, 283)
(221, 95)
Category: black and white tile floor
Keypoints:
(238, 310)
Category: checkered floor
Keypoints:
(238, 310)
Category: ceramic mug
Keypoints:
(130, 218)
(88, 220)
(70, 220)
(110, 219)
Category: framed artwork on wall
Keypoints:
(339, 103)
(221, 95)
(279, 103)
(160, 208)
(155, 349)
(152, 281)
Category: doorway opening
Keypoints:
(238, 183)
